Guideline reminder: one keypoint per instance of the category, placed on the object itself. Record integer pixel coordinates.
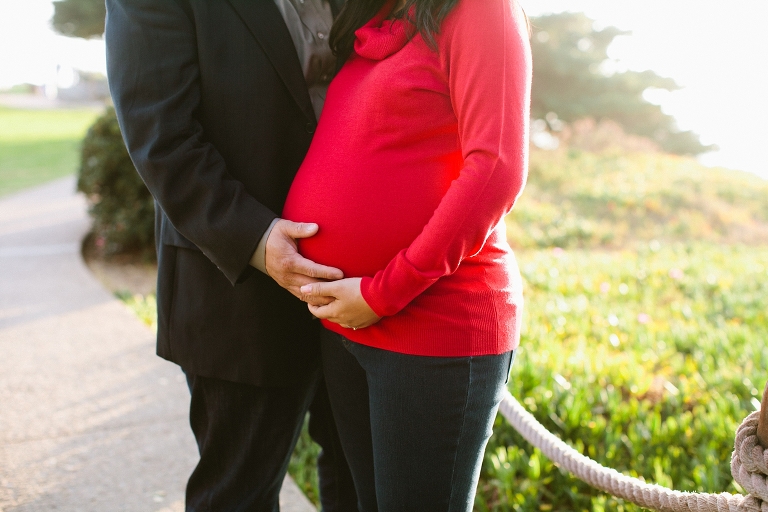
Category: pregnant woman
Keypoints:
(419, 154)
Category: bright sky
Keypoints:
(717, 50)
(30, 51)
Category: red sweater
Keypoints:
(417, 157)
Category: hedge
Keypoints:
(120, 204)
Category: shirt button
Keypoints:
(310, 128)
(320, 35)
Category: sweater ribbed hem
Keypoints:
(446, 325)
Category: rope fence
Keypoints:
(749, 467)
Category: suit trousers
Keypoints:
(246, 434)
(413, 428)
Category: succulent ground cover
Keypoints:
(645, 360)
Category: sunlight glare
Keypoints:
(717, 52)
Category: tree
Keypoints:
(571, 79)
(79, 18)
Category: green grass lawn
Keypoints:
(40, 145)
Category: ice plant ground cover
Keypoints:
(645, 360)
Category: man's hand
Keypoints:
(347, 308)
(288, 268)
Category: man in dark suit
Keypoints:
(218, 101)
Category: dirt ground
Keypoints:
(121, 275)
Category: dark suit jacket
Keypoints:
(216, 116)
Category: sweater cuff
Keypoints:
(393, 288)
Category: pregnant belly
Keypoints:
(365, 216)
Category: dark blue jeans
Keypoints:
(246, 434)
(413, 428)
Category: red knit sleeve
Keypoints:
(485, 52)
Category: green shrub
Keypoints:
(644, 360)
(576, 199)
(120, 204)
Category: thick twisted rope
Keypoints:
(749, 466)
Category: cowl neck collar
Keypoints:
(381, 37)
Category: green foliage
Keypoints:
(303, 465)
(646, 361)
(615, 200)
(571, 81)
(121, 206)
(79, 18)
(39, 145)
(143, 306)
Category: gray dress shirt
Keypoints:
(309, 22)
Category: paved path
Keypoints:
(90, 418)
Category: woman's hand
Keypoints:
(348, 307)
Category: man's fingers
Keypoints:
(298, 229)
(284, 259)
(300, 271)
(288, 268)
(314, 270)
(325, 272)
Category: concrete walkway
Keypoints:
(90, 418)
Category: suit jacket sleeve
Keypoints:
(154, 79)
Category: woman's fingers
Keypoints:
(336, 314)
(327, 312)
(348, 307)
(319, 290)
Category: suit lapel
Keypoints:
(265, 22)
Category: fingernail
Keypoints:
(306, 288)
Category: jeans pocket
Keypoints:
(512, 355)
(345, 342)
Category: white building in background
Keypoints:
(71, 85)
